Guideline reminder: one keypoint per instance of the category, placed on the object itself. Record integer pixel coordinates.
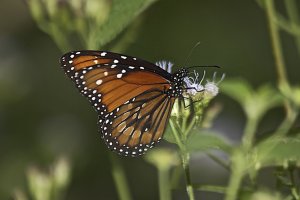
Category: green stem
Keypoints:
(176, 176)
(58, 37)
(289, 26)
(238, 166)
(287, 123)
(275, 39)
(190, 126)
(291, 7)
(164, 184)
(119, 178)
(239, 161)
(210, 188)
(294, 189)
(186, 166)
(219, 161)
(249, 133)
(183, 126)
(176, 134)
(234, 185)
(185, 157)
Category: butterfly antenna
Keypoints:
(190, 53)
(206, 66)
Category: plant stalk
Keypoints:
(294, 189)
(186, 166)
(291, 7)
(249, 133)
(164, 184)
(211, 188)
(185, 157)
(119, 178)
(275, 39)
(234, 185)
(238, 165)
(287, 123)
(175, 133)
(218, 160)
(239, 162)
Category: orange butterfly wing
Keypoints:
(130, 99)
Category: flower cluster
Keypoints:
(193, 84)
(166, 65)
(209, 89)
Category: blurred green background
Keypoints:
(42, 116)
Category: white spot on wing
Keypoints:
(119, 75)
(98, 82)
(103, 53)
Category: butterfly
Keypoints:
(132, 97)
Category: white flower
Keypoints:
(166, 65)
(211, 87)
(192, 84)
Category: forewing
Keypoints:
(108, 79)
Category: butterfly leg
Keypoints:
(193, 88)
(183, 99)
(187, 106)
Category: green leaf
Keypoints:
(254, 103)
(203, 141)
(238, 89)
(169, 136)
(265, 195)
(265, 98)
(37, 12)
(291, 93)
(89, 24)
(269, 97)
(162, 158)
(51, 6)
(277, 151)
(284, 180)
(122, 13)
